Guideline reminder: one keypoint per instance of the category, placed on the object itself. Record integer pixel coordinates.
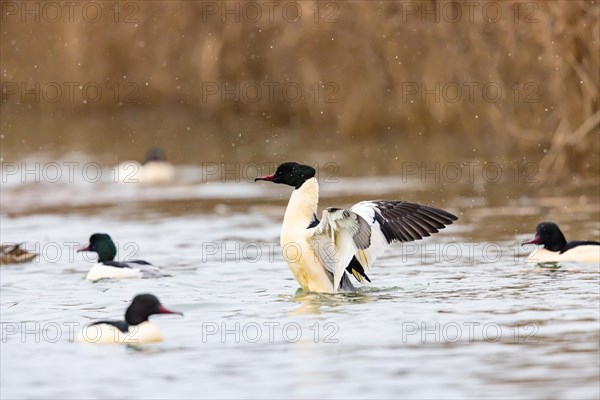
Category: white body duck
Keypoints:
(320, 254)
(107, 268)
(155, 170)
(557, 249)
(135, 329)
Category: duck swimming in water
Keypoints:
(14, 254)
(156, 169)
(135, 329)
(107, 268)
(556, 248)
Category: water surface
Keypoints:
(458, 315)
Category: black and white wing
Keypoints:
(352, 239)
(337, 238)
(397, 221)
(144, 267)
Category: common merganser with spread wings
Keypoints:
(320, 253)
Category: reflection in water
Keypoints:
(152, 349)
(312, 303)
(549, 264)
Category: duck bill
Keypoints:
(536, 240)
(269, 178)
(163, 310)
(86, 248)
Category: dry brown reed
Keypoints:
(373, 52)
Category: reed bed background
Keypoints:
(366, 58)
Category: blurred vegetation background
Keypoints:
(379, 81)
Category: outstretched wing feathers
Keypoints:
(337, 238)
(406, 221)
(364, 231)
(337, 222)
(398, 221)
(362, 236)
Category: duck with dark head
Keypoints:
(107, 268)
(156, 169)
(323, 254)
(135, 329)
(555, 247)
